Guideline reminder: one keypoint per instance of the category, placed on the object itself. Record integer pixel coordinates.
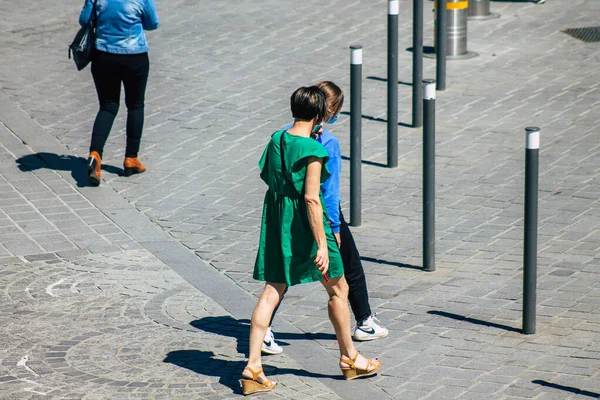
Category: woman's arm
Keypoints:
(86, 12)
(150, 18)
(312, 187)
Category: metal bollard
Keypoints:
(456, 30)
(441, 44)
(531, 225)
(417, 77)
(392, 85)
(355, 133)
(429, 175)
(480, 10)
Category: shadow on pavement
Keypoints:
(229, 372)
(376, 78)
(392, 263)
(370, 118)
(473, 320)
(426, 50)
(373, 163)
(240, 330)
(76, 165)
(567, 388)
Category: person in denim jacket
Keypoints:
(120, 56)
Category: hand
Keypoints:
(322, 260)
(338, 239)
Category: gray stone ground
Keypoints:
(95, 302)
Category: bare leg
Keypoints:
(261, 316)
(339, 315)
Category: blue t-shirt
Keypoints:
(331, 187)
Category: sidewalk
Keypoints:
(142, 288)
(88, 312)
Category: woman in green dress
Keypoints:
(296, 243)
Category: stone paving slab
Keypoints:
(219, 85)
(43, 213)
(124, 325)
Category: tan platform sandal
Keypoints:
(353, 372)
(250, 386)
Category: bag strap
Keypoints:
(93, 14)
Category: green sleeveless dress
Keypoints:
(287, 246)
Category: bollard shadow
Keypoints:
(370, 118)
(240, 331)
(473, 320)
(373, 163)
(426, 49)
(77, 165)
(229, 372)
(566, 388)
(376, 78)
(392, 263)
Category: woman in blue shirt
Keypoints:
(366, 325)
(120, 55)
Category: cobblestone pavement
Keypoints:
(220, 80)
(122, 325)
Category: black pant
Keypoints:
(109, 70)
(354, 272)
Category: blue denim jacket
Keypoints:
(121, 24)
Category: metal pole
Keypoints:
(531, 224)
(392, 84)
(429, 175)
(417, 92)
(480, 10)
(441, 43)
(356, 56)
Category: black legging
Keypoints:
(109, 70)
(354, 272)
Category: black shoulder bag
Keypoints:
(83, 45)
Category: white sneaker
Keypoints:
(369, 330)
(269, 345)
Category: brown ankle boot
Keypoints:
(132, 165)
(93, 169)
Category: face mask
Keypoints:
(315, 130)
(333, 119)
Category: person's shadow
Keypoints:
(240, 330)
(77, 165)
(229, 372)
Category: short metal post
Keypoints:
(392, 85)
(417, 91)
(356, 56)
(441, 44)
(531, 225)
(429, 175)
(480, 10)
(454, 21)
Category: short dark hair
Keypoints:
(308, 103)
